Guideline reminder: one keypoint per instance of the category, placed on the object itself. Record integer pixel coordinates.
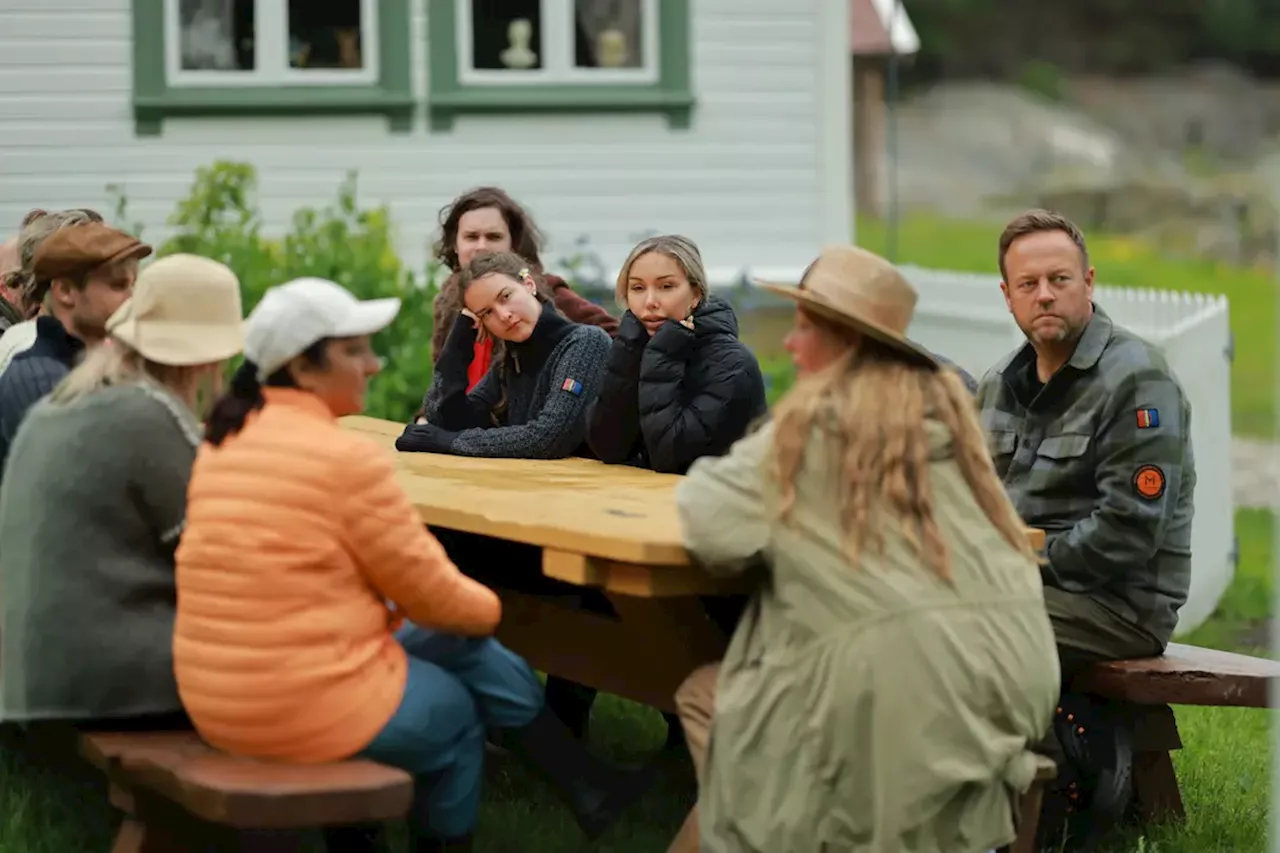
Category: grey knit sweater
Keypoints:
(551, 379)
(91, 510)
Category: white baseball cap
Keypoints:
(292, 316)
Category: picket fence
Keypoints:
(963, 317)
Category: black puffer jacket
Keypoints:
(679, 395)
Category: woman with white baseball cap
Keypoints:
(302, 558)
(94, 501)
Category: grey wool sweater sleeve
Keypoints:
(556, 424)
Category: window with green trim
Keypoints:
(246, 57)
(500, 56)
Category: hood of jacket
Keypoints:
(714, 317)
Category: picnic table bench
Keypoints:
(1183, 675)
(180, 795)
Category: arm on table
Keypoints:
(613, 420)
(404, 562)
(559, 427)
(723, 518)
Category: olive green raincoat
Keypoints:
(874, 708)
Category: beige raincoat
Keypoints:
(873, 708)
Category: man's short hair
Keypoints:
(1037, 221)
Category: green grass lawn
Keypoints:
(1225, 767)
(1123, 262)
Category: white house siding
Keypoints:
(758, 180)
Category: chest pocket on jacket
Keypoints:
(1002, 443)
(1001, 446)
(1070, 459)
(1062, 448)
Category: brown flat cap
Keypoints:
(76, 249)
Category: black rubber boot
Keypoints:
(571, 702)
(595, 791)
(356, 838)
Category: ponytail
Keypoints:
(245, 396)
(234, 407)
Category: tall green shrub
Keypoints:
(219, 218)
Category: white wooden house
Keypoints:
(727, 120)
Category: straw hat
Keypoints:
(185, 310)
(863, 291)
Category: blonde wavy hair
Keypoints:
(875, 405)
(113, 362)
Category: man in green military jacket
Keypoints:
(1090, 433)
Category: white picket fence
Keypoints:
(963, 316)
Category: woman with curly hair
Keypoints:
(486, 220)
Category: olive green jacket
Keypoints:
(870, 708)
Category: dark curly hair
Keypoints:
(526, 239)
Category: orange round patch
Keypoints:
(1148, 482)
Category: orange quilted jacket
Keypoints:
(297, 538)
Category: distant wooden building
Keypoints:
(877, 30)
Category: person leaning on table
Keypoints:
(301, 559)
(887, 679)
(94, 502)
(678, 384)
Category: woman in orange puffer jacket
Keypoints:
(300, 561)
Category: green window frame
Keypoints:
(448, 96)
(155, 99)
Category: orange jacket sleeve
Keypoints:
(403, 561)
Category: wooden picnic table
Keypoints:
(611, 527)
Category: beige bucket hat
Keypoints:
(185, 310)
(863, 291)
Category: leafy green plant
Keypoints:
(219, 218)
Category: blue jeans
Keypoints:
(456, 687)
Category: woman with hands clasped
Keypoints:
(678, 383)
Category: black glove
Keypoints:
(425, 438)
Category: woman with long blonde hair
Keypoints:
(885, 684)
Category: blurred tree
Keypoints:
(1001, 39)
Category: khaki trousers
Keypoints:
(695, 705)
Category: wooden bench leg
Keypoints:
(1029, 805)
(1155, 788)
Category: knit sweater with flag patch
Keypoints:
(550, 379)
